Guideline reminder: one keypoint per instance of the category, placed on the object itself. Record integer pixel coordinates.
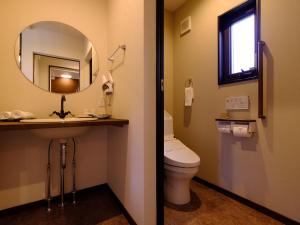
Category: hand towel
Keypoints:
(189, 96)
(19, 114)
(5, 115)
(15, 115)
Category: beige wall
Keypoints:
(132, 151)
(265, 168)
(23, 156)
(23, 165)
(168, 61)
(150, 111)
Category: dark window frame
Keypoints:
(224, 43)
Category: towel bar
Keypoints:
(123, 47)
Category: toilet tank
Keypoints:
(168, 124)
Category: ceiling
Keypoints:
(172, 5)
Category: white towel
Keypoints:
(189, 96)
(5, 115)
(19, 114)
(16, 114)
(107, 83)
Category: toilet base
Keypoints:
(177, 184)
(177, 192)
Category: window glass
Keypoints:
(243, 44)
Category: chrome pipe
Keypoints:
(74, 172)
(49, 177)
(63, 151)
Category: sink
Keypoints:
(57, 120)
(60, 132)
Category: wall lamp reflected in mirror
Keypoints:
(66, 76)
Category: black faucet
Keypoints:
(62, 114)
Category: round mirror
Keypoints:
(56, 57)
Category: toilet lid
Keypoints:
(177, 154)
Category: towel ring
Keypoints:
(188, 83)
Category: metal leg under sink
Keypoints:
(74, 171)
(63, 163)
(63, 153)
(49, 177)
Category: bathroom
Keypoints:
(101, 155)
(125, 162)
(261, 169)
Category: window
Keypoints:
(237, 44)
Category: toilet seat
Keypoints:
(176, 170)
(176, 154)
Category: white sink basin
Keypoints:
(60, 132)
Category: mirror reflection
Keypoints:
(56, 57)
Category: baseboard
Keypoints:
(123, 209)
(55, 199)
(249, 203)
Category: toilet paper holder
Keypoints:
(228, 124)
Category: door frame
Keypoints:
(159, 112)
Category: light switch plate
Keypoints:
(237, 103)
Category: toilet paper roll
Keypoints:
(241, 131)
(224, 129)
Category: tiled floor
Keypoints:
(213, 208)
(96, 206)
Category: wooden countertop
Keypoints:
(7, 126)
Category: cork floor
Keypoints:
(209, 207)
(117, 220)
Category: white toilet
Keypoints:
(180, 163)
